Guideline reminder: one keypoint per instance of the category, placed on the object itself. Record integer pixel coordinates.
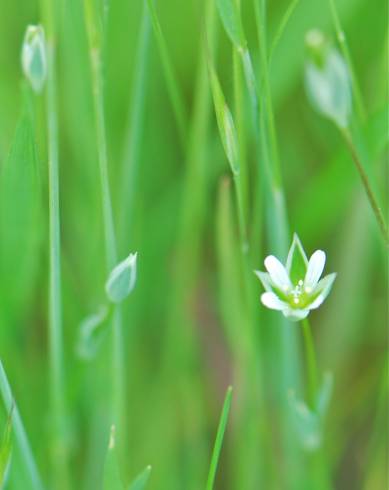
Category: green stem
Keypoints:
(108, 221)
(57, 385)
(219, 440)
(310, 357)
(346, 53)
(366, 184)
(171, 79)
(20, 433)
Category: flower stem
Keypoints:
(57, 388)
(365, 180)
(118, 395)
(310, 357)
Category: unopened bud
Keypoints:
(34, 57)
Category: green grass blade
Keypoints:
(56, 370)
(135, 132)
(6, 450)
(20, 219)
(230, 15)
(20, 434)
(281, 28)
(112, 479)
(95, 50)
(171, 79)
(219, 439)
(141, 480)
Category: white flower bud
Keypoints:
(327, 80)
(122, 279)
(34, 62)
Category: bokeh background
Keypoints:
(188, 334)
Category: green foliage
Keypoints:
(183, 132)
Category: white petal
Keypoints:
(272, 301)
(295, 315)
(315, 269)
(323, 288)
(278, 274)
(264, 277)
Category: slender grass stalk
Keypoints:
(366, 184)
(95, 47)
(135, 129)
(346, 53)
(171, 79)
(281, 28)
(310, 357)
(219, 439)
(20, 433)
(56, 372)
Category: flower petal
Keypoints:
(272, 301)
(322, 290)
(264, 277)
(277, 272)
(295, 315)
(314, 270)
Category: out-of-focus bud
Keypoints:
(34, 62)
(327, 79)
(122, 279)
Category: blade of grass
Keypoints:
(135, 130)
(219, 439)
(141, 480)
(117, 356)
(20, 433)
(56, 370)
(281, 28)
(171, 79)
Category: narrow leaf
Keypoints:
(20, 224)
(230, 16)
(141, 480)
(225, 121)
(5, 451)
(112, 479)
(219, 439)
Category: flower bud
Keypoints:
(122, 279)
(327, 79)
(34, 57)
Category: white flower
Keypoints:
(295, 289)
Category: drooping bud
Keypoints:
(327, 79)
(34, 62)
(122, 279)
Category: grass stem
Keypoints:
(118, 395)
(310, 357)
(366, 184)
(219, 439)
(57, 384)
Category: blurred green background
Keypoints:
(187, 333)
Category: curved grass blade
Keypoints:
(20, 434)
(281, 28)
(219, 439)
(171, 79)
(6, 451)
